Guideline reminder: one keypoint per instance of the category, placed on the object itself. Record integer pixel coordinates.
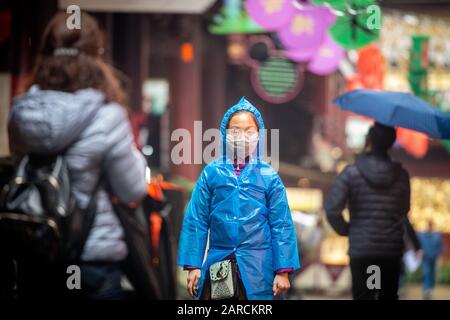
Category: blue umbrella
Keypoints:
(397, 109)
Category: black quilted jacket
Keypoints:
(376, 191)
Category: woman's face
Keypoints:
(243, 132)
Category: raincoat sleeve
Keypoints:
(194, 233)
(337, 201)
(284, 240)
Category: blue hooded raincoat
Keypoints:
(246, 215)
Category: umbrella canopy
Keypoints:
(397, 109)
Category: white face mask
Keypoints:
(242, 146)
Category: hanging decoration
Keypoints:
(327, 58)
(418, 66)
(307, 28)
(303, 55)
(270, 14)
(304, 28)
(368, 70)
(371, 67)
(357, 25)
(416, 143)
(313, 35)
(275, 78)
(233, 19)
(332, 3)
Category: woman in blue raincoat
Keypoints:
(242, 202)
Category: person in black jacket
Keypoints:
(377, 193)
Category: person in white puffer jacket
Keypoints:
(76, 106)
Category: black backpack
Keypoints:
(40, 217)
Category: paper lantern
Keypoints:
(371, 67)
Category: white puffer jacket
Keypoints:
(96, 137)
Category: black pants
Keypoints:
(34, 281)
(25, 280)
(101, 281)
(389, 268)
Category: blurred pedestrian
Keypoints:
(431, 242)
(242, 202)
(377, 193)
(76, 107)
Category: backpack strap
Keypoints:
(88, 217)
(87, 214)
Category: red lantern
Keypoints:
(371, 67)
(415, 143)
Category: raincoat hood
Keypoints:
(243, 105)
(379, 171)
(48, 121)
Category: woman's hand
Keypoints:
(281, 283)
(192, 281)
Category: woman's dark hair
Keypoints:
(380, 137)
(71, 59)
(239, 112)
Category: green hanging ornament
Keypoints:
(359, 24)
(232, 18)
